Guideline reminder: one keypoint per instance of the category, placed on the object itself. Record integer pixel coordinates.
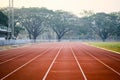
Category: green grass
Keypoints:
(115, 46)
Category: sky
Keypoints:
(74, 6)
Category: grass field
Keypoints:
(115, 46)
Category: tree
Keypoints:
(83, 28)
(86, 13)
(117, 31)
(3, 19)
(18, 29)
(60, 22)
(103, 24)
(34, 20)
(33, 25)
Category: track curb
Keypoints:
(102, 48)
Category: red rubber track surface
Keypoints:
(59, 61)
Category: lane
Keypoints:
(35, 69)
(23, 51)
(94, 68)
(79, 65)
(108, 53)
(9, 54)
(64, 67)
(51, 61)
(13, 56)
(10, 66)
(9, 51)
(103, 57)
(51, 64)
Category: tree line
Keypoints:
(3, 19)
(92, 26)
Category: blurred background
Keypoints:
(23, 21)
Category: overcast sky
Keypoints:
(75, 6)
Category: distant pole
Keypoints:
(9, 20)
(11, 17)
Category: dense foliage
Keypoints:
(3, 19)
(93, 26)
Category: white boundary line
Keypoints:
(117, 59)
(45, 76)
(10, 59)
(103, 48)
(23, 65)
(104, 64)
(79, 65)
(4, 54)
(18, 55)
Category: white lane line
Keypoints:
(79, 65)
(107, 55)
(3, 54)
(106, 50)
(52, 64)
(104, 64)
(23, 65)
(13, 57)
(113, 57)
(102, 48)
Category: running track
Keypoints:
(59, 61)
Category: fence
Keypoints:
(14, 42)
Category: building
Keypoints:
(4, 33)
